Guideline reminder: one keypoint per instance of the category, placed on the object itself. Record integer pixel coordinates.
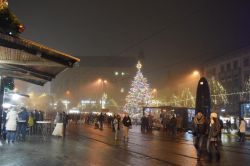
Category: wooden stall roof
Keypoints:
(32, 62)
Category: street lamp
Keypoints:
(102, 82)
(196, 73)
(66, 102)
(116, 73)
(67, 92)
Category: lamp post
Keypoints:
(66, 103)
(102, 82)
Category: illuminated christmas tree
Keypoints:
(184, 99)
(187, 99)
(218, 93)
(140, 94)
(174, 101)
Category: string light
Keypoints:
(139, 94)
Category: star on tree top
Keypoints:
(139, 66)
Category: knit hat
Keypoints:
(213, 115)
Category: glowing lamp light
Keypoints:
(68, 92)
(105, 81)
(201, 83)
(196, 73)
(15, 97)
(21, 28)
(99, 80)
(7, 105)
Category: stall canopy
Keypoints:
(31, 62)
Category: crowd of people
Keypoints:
(208, 131)
(17, 122)
(115, 122)
(170, 124)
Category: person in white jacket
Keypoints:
(242, 129)
(11, 125)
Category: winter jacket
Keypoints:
(31, 121)
(23, 115)
(173, 122)
(58, 118)
(126, 121)
(200, 125)
(65, 118)
(115, 123)
(214, 131)
(11, 118)
(242, 126)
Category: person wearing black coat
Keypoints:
(101, 119)
(126, 124)
(65, 122)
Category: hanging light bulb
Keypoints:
(21, 28)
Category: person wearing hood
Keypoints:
(199, 131)
(213, 136)
(11, 125)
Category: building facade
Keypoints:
(232, 71)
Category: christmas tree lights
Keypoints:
(218, 93)
(140, 94)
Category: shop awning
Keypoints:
(32, 62)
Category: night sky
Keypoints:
(171, 34)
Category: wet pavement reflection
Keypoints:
(85, 145)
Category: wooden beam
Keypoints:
(9, 71)
(31, 63)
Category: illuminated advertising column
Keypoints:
(203, 101)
